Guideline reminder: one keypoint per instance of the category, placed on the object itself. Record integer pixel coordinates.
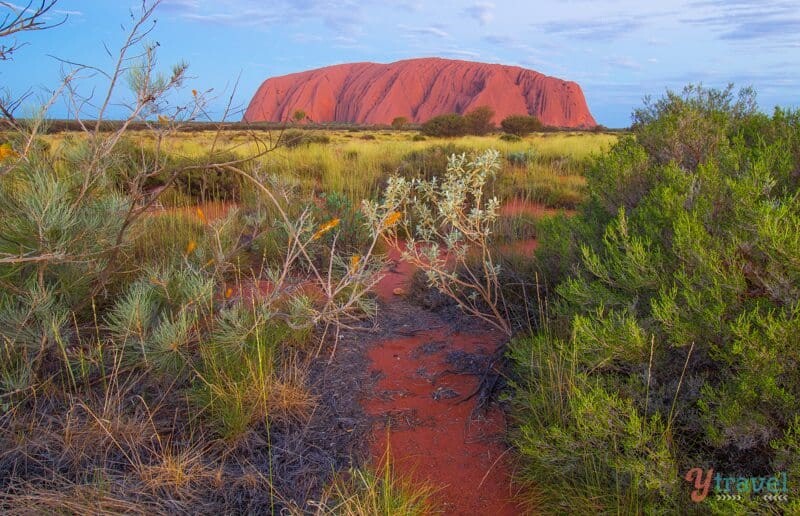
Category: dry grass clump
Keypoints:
(71, 499)
(378, 491)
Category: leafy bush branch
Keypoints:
(448, 224)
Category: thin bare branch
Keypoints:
(24, 19)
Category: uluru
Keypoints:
(418, 89)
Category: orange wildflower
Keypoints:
(228, 293)
(190, 247)
(392, 219)
(201, 215)
(325, 228)
(7, 152)
(354, 261)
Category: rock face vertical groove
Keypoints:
(419, 89)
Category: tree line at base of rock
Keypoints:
(478, 122)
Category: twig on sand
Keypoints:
(487, 386)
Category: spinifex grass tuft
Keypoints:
(377, 492)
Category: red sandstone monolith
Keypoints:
(418, 89)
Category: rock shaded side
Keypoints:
(419, 89)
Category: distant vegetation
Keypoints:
(399, 122)
(506, 137)
(520, 125)
(294, 138)
(299, 116)
(59, 125)
(478, 122)
(447, 126)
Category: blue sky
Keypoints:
(617, 50)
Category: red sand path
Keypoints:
(433, 438)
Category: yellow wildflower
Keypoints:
(354, 261)
(325, 228)
(201, 215)
(190, 247)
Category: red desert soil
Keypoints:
(418, 89)
(434, 437)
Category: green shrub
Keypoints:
(418, 138)
(447, 126)
(296, 137)
(237, 384)
(202, 181)
(155, 321)
(353, 231)
(195, 177)
(588, 448)
(479, 121)
(399, 122)
(672, 340)
(520, 125)
(129, 159)
(428, 162)
(510, 138)
(299, 116)
(47, 210)
(521, 158)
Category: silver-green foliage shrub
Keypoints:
(157, 317)
(62, 220)
(57, 225)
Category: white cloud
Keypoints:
(430, 30)
(483, 12)
(344, 17)
(623, 62)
